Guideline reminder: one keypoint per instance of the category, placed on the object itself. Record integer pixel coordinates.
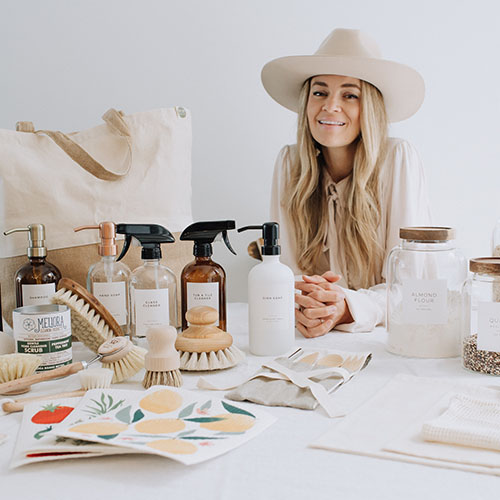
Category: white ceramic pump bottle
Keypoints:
(271, 309)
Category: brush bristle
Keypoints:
(96, 378)
(213, 360)
(14, 366)
(129, 365)
(87, 326)
(172, 378)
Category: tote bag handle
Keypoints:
(114, 119)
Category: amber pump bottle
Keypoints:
(35, 281)
(203, 281)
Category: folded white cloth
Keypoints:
(467, 422)
(397, 412)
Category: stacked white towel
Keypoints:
(466, 422)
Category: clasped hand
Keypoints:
(322, 304)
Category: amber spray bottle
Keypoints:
(203, 281)
(35, 281)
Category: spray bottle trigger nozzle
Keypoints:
(126, 246)
(226, 241)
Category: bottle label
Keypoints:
(151, 309)
(488, 326)
(37, 295)
(203, 294)
(425, 302)
(113, 297)
(46, 334)
(274, 308)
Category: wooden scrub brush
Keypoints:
(203, 346)
(91, 323)
(118, 354)
(162, 361)
(18, 365)
(94, 378)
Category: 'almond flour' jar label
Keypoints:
(44, 331)
(488, 326)
(425, 302)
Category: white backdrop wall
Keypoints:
(64, 62)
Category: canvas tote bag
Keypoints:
(134, 168)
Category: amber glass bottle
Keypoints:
(35, 281)
(203, 281)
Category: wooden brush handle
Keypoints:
(25, 382)
(19, 404)
(86, 296)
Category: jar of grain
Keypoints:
(481, 344)
(425, 280)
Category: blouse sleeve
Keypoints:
(278, 212)
(405, 203)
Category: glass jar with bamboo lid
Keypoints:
(425, 279)
(481, 343)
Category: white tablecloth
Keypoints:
(275, 465)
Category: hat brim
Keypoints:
(402, 87)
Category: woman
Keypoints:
(344, 190)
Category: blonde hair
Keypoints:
(307, 203)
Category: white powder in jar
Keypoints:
(427, 341)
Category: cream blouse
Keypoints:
(404, 202)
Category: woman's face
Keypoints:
(333, 110)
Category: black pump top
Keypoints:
(270, 233)
(204, 233)
(150, 236)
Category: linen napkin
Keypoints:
(389, 425)
(304, 381)
(467, 422)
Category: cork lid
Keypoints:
(485, 265)
(427, 233)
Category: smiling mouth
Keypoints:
(328, 122)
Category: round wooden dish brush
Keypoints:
(162, 361)
(203, 346)
(118, 354)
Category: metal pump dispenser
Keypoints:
(107, 233)
(36, 237)
(203, 281)
(153, 289)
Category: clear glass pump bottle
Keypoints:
(107, 279)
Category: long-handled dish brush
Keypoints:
(162, 361)
(118, 354)
(203, 346)
(91, 323)
(18, 365)
(94, 378)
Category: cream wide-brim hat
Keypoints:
(347, 52)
